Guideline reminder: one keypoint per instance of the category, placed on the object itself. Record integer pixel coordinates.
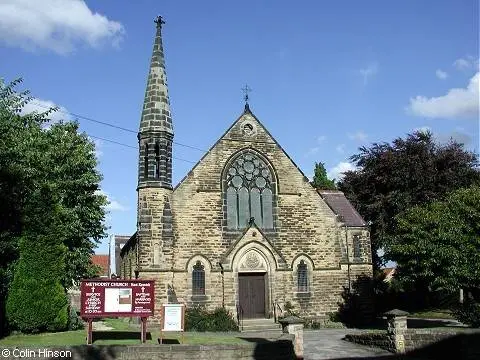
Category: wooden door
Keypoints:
(251, 294)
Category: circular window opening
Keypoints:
(248, 129)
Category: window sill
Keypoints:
(199, 298)
(303, 295)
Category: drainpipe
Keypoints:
(348, 260)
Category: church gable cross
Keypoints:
(246, 90)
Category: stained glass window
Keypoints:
(198, 279)
(302, 277)
(249, 192)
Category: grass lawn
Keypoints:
(433, 314)
(123, 333)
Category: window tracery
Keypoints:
(249, 192)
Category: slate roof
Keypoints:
(340, 205)
(102, 261)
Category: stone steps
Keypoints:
(260, 325)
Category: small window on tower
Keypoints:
(145, 162)
(157, 161)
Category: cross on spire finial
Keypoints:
(159, 21)
(246, 90)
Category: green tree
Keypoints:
(391, 178)
(320, 178)
(36, 299)
(438, 244)
(58, 158)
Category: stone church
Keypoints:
(244, 229)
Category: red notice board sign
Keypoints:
(128, 298)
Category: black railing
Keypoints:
(276, 307)
(240, 317)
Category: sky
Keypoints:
(326, 77)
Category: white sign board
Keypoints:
(118, 300)
(173, 316)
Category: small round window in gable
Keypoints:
(248, 129)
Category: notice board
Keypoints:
(173, 317)
(128, 298)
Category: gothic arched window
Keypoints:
(302, 277)
(249, 192)
(198, 279)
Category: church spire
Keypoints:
(156, 114)
(156, 128)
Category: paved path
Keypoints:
(328, 344)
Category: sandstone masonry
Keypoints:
(289, 243)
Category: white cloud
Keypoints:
(442, 75)
(340, 148)
(98, 144)
(40, 106)
(321, 139)
(58, 25)
(457, 136)
(337, 171)
(457, 103)
(423, 129)
(358, 136)
(312, 151)
(368, 72)
(113, 205)
(466, 63)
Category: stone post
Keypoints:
(396, 328)
(294, 325)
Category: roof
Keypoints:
(156, 115)
(103, 262)
(340, 205)
(121, 240)
(388, 274)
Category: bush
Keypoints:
(36, 299)
(468, 313)
(74, 321)
(198, 318)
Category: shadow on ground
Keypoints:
(117, 335)
(457, 347)
(168, 341)
(275, 350)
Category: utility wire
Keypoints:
(133, 147)
(111, 125)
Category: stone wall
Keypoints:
(375, 339)
(187, 224)
(432, 343)
(281, 349)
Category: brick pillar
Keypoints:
(396, 329)
(294, 325)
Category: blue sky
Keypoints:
(327, 77)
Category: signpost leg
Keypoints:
(89, 332)
(144, 330)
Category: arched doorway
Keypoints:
(253, 291)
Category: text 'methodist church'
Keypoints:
(244, 229)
